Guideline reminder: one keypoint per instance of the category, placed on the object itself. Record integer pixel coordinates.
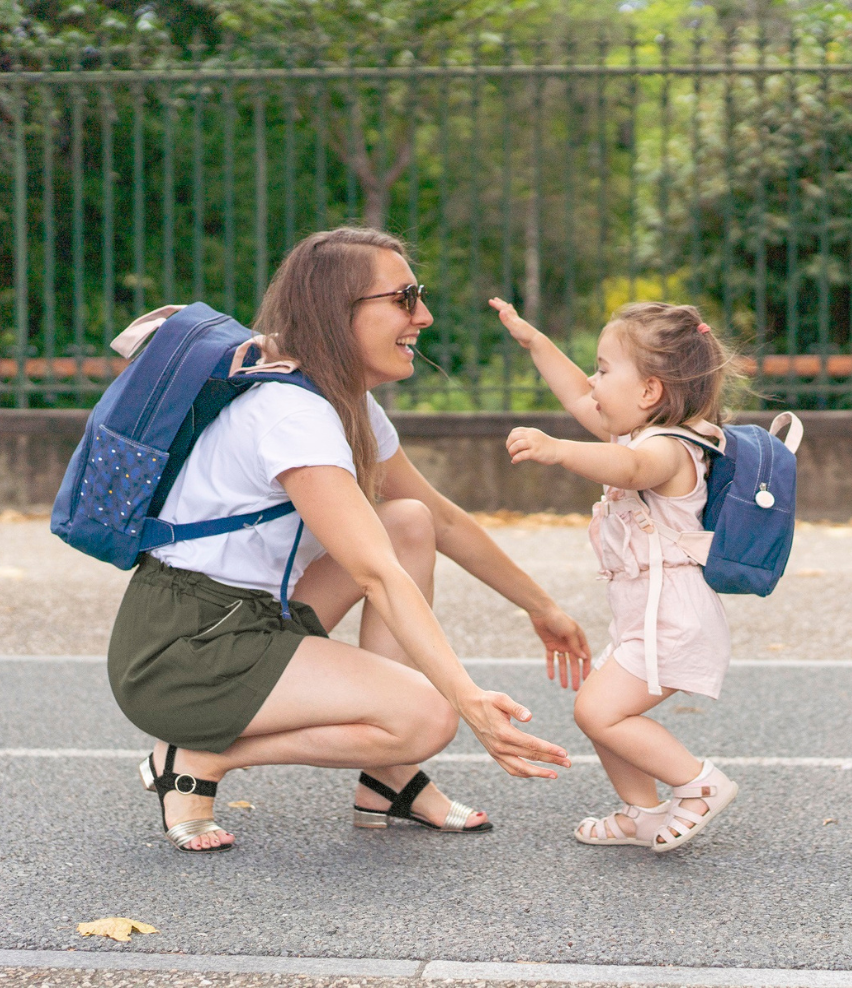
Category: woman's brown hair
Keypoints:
(307, 313)
(674, 344)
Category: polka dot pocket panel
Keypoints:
(119, 480)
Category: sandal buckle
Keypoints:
(185, 792)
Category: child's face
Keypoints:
(622, 396)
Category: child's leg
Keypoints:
(634, 750)
(632, 784)
(609, 712)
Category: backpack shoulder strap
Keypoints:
(247, 367)
(701, 433)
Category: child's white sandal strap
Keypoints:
(679, 817)
(694, 790)
(597, 827)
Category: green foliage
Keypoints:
(658, 186)
(496, 386)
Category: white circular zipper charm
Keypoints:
(763, 498)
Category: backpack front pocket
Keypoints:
(119, 480)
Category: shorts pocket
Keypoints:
(222, 625)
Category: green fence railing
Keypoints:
(570, 178)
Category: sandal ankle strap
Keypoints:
(400, 803)
(181, 782)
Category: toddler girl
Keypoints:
(658, 365)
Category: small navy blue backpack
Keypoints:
(748, 519)
(140, 433)
(751, 504)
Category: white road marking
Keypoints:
(760, 761)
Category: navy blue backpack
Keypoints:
(140, 433)
(751, 504)
(748, 519)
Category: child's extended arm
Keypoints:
(564, 378)
(661, 463)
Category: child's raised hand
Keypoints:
(533, 444)
(520, 329)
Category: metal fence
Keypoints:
(570, 178)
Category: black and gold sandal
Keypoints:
(400, 808)
(170, 781)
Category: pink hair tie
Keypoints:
(703, 327)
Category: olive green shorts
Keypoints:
(192, 660)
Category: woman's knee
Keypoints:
(433, 725)
(409, 524)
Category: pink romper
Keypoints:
(693, 641)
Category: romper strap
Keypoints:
(655, 587)
(652, 529)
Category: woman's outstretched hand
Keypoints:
(565, 642)
(489, 715)
(520, 329)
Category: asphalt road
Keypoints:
(766, 886)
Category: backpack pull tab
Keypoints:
(763, 498)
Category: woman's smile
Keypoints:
(386, 331)
(407, 342)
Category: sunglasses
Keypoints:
(408, 296)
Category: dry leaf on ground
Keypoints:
(241, 804)
(116, 927)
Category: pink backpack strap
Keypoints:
(794, 433)
(129, 341)
(700, 432)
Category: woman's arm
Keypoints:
(335, 510)
(564, 378)
(661, 463)
(465, 542)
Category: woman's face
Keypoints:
(385, 329)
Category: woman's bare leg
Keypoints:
(331, 592)
(335, 706)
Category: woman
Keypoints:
(201, 656)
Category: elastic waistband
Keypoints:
(151, 570)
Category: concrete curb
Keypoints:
(567, 974)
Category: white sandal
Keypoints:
(717, 791)
(593, 830)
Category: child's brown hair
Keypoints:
(674, 344)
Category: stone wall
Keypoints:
(463, 454)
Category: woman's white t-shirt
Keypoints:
(232, 469)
